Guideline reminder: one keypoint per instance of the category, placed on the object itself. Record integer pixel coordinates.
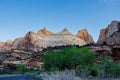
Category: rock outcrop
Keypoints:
(28, 42)
(45, 32)
(102, 34)
(85, 36)
(116, 53)
(65, 32)
(1, 44)
(6, 46)
(36, 42)
(111, 34)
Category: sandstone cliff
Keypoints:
(85, 36)
(28, 42)
(36, 42)
(111, 34)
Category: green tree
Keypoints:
(68, 58)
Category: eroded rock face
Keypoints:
(6, 46)
(113, 27)
(28, 42)
(35, 42)
(110, 30)
(116, 53)
(85, 36)
(102, 34)
(111, 34)
(45, 32)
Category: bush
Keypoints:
(83, 61)
(68, 58)
(21, 68)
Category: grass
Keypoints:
(60, 75)
(67, 75)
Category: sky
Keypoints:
(17, 17)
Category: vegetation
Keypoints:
(18, 69)
(83, 61)
(22, 68)
(62, 75)
(68, 58)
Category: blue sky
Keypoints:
(17, 17)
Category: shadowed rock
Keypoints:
(111, 34)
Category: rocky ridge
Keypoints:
(33, 41)
(44, 38)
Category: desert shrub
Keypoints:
(113, 70)
(21, 68)
(82, 60)
(68, 58)
(86, 70)
(108, 68)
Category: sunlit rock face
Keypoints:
(36, 42)
(28, 42)
(85, 36)
(45, 32)
(4, 46)
(111, 34)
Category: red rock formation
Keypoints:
(35, 63)
(111, 34)
(85, 36)
(102, 34)
(45, 32)
(113, 51)
(116, 53)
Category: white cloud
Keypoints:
(110, 0)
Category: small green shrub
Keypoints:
(21, 68)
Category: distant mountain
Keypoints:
(111, 34)
(85, 36)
